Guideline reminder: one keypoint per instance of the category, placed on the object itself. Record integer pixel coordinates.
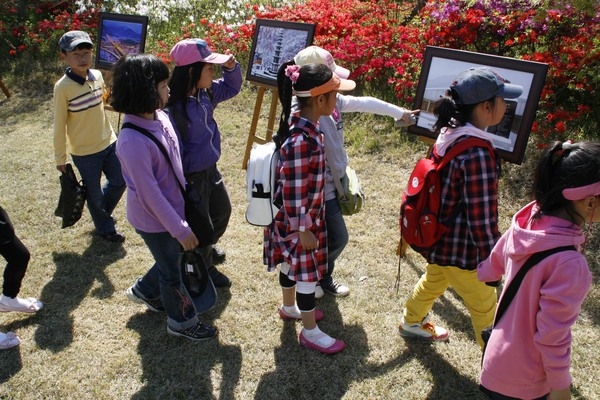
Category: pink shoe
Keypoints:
(284, 315)
(336, 347)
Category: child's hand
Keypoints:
(408, 118)
(308, 240)
(230, 64)
(190, 242)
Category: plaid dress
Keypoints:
(300, 182)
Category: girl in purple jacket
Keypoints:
(155, 204)
(194, 95)
(528, 353)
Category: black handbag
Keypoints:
(197, 280)
(72, 197)
(196, 214)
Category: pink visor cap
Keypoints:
(317, 55)
(581, 192)
(190, 51)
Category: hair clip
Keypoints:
(292, 72)
(568, 145)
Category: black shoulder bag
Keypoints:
(196, 216)
(513, 286)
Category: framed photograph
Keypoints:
(118, 35)
(440, 68)
(274, 43)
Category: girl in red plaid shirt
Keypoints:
(297, 238)
(469, 204)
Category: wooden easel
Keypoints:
(4, 89)
(252, 136)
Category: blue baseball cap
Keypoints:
(480, 84)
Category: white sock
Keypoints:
(319, 337)
(292, 310)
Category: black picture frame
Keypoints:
(274, 43)
(441, 66)
(118, 35)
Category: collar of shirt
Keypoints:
(78, 78)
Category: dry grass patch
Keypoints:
(90, 342)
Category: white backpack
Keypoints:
(260, 184)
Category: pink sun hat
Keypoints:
(317, 55)
(189, 51)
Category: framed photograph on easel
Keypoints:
(274, 43)
(440, 68)
(119, 34)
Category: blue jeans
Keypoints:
(164, 280)
(101, 201)
(337, 237)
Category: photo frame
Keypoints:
(441, 66)
(274, 43)
(118, 35)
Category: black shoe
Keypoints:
(196, 333)
(113, 237)
(218, 256)
(155, 305)
(219, 279)
(336, 289)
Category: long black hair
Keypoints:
(564, 166)
(134, 83)
(183, 81)
(310, 76)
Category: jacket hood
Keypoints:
(528, 236)
(449, 136)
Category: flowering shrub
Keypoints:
(562, 35)
(365, 37)
(380, 41)
(35, 27)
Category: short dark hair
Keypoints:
(134, 84)
(80, 46)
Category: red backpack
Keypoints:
(420, 207)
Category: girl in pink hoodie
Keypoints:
(528, 353)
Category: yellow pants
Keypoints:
(479, 298)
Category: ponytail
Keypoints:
(308, 76)
(284, 88)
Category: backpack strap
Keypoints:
(461, 146)
(513, 286)
(455, 150)
(162, 149)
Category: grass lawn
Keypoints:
(91, 342)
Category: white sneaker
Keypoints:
(425, 330)
(319, 291)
